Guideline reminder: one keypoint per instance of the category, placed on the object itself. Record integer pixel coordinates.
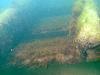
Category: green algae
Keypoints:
(88, 24)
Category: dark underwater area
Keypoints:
(91, 68)
(37, 29)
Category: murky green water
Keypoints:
(92, 68)
(18, 21)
